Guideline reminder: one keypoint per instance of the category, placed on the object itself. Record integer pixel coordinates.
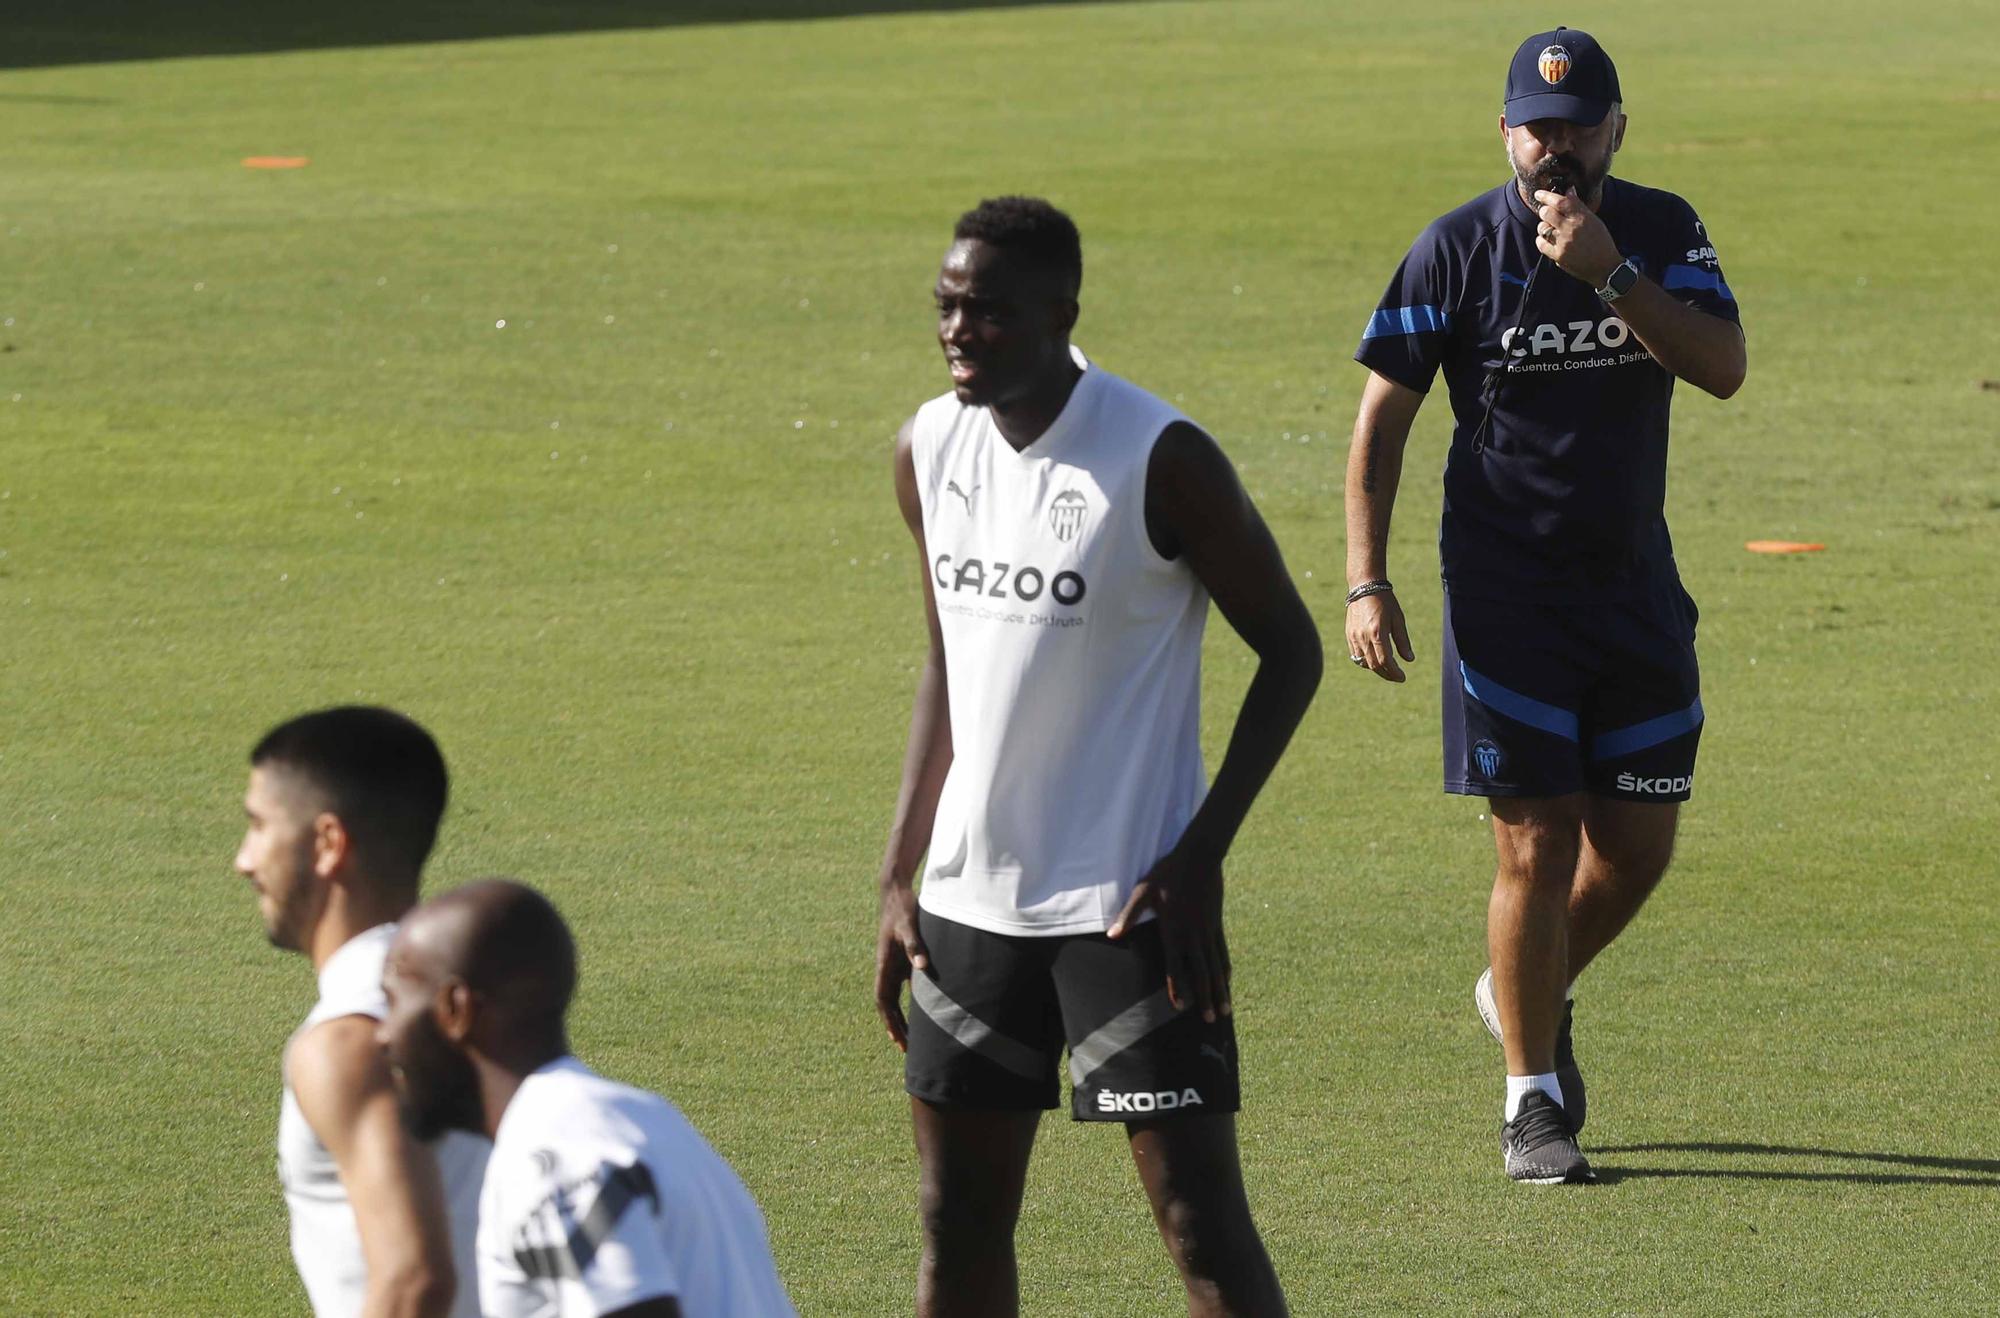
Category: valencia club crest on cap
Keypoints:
(1553, 64)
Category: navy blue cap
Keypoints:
(1562, 74)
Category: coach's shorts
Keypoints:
(1544, 700)
(989, 1019)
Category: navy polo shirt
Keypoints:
(1559, 496)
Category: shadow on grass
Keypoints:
(100, 31)
(1984, 1172)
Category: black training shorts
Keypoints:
(990, 1017)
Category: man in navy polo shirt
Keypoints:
(1561, 307)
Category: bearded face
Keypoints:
(436, 1085)
(277, 854)
(1554, 155)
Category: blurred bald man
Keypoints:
(600, 1199)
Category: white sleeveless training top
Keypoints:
(325, 1242)
(1073, 653)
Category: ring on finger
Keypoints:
(1356, 659)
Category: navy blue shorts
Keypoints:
(1545, 700)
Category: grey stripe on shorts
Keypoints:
(1119, 1033)
(975, 1034)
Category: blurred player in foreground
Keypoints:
(600, 1198)
(1561, 306)
(1072, 531)
(343, 808)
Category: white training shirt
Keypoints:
(1073, 653)
(600, 1196)
(326, 1244)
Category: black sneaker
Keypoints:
(1538, 1147)
(1575, 1101)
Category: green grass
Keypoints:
(634, 558)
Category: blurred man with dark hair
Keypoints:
(343, 809)
(1072, 530)
(600, 1199)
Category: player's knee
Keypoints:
(1540, 858)
(1651, 860)
(1182, 1224)
(1637, 857)
(1538, 841)
(965, 1222)
(1208, 1241)
(935, 1211)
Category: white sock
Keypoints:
(1520, 1086)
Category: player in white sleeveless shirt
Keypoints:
(1051, 598)
(1073, 529)
(600, 1198)
(343, 808)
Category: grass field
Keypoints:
(634, 558)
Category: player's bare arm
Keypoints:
(343, 1087)
(1706, 351)
(1198, 511)
(1375, 627)
(898, 946)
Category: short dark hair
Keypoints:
(1030, 227)
(383, 776)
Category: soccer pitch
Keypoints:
(552, 401)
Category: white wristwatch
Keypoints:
(1619, 282)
